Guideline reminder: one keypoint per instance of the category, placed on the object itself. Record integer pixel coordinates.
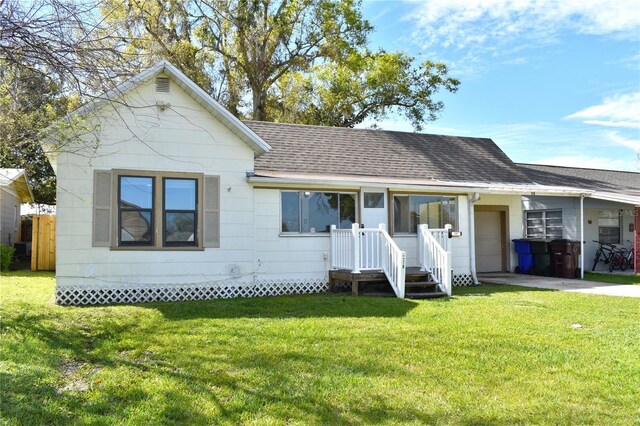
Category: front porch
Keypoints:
(371, 261)
(418, 284)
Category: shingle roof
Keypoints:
(611, 181)
(386, 154)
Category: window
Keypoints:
(311, 212)
(135, 207)
(409, 211)
(143, 210)
(609, 227)
(374, 200)
(543, 224)
(180, 215)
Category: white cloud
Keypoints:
(494, 23)
(616, 138)
(616, 111)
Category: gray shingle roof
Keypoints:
(614, 181)
(385, 154)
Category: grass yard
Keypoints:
(613, 278)
(489, 355)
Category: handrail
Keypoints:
(342, 248)
(394, 263)
(434, 258)
(359, 249)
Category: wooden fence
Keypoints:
(43, 243)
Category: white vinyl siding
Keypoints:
(184, 139)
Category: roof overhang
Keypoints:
(247, 135)
(16, 181)
(275, 179)
(616, 197)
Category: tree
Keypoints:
(365, 85)
(299, 61)
(63, 40)
(155, 30)
(49, 49)
(28, 103)
(266, 39)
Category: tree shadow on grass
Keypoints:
(304, 306)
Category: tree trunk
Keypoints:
(259, 96)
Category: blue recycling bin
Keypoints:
(525, 257)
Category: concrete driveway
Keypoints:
(578, 286)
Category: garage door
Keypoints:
(489, 241)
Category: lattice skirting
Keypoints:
(462, 280)
(136, 294)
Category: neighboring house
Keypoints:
(611, 212)
(170, 197)
(14, 190)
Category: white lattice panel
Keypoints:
(462, 280)
(132, 294)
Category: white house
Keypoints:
(167, 196)
(14, 190)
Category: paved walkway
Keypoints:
(578, 286)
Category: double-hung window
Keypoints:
(311, 212)
(136, 210)
(147, 200)
(146, 210)
(409, 211)
(180, 214)
(543, 224)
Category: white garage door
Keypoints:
(489, 241)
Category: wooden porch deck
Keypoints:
(419, 282)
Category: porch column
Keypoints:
(636, 239)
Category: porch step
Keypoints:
(418, 284)
(425, 295)
(421, 285)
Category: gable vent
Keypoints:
(162, 85)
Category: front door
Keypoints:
(374, 207)
(489, 226)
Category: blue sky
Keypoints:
(552, 82)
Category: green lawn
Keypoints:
(613, 278)
(488, 355)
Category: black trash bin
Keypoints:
(542, 257)
(565, 258)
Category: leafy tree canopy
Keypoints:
(28, 103)
(283, 60)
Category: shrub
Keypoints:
(6, 257)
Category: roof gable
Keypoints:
(16, 180)
(199, 95)
(339, 151)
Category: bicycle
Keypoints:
(604, 250)
(621, 259)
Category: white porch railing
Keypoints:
(373, 249)
(434, 255)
